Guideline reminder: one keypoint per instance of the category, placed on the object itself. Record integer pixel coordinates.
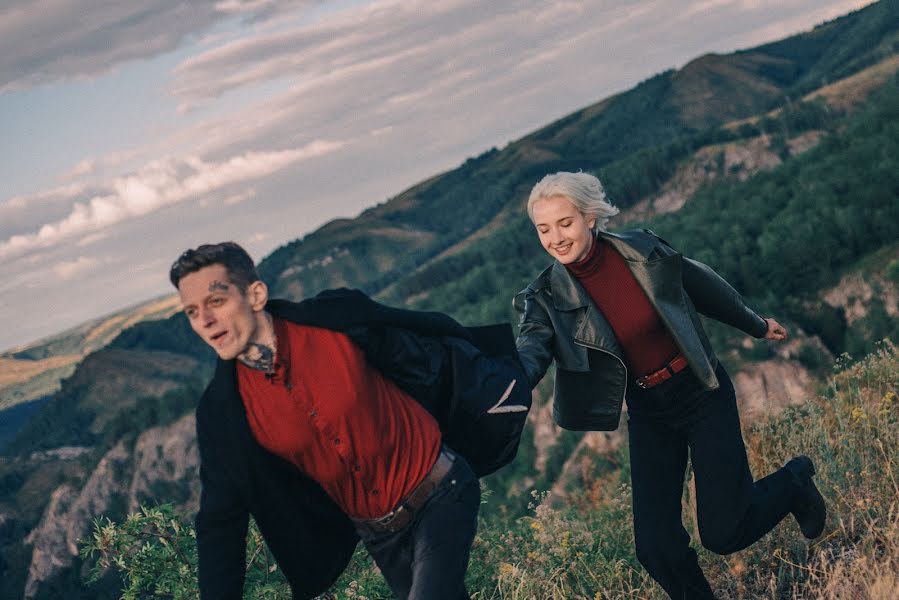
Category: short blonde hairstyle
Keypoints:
(583, 190)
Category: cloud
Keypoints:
(98, 166)
(377, 37)
(399, 36)
(414, 61)
(84, 167)
(69, 269)
(258, 10)
(159, 184)
(437, 68)
(92, 238)
(21, 214)
(239, 197)
(413, 87)
(43, 41)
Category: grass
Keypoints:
(583, 549)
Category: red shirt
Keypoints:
(364, 440)
(644, 339)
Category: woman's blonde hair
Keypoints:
(583, 190)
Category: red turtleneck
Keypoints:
(646, 342)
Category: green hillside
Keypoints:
(35, 370)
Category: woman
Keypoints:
(618, 314)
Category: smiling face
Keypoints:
(564, 231)
(226, 318)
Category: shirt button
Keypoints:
(336, 441)
(374, 492)
(357, 468)
(312, 413)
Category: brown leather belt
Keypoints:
(402, 514)
(677, 364)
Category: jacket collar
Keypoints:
(568, 294)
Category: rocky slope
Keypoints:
(160, 467)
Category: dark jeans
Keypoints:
(428, 558)
(732, 510)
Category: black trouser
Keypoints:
(733, 512)
(427, 559)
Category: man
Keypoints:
(329, 419)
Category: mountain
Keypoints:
(778, 165)
(34, 370)
(611, 137)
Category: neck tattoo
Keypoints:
(259, 357)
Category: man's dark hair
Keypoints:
(238, 264)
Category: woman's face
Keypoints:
(564, 231)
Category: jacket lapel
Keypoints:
(658, 275)
(591, 328)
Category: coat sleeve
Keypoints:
(715, 298)
(535, 336)
(221, 526)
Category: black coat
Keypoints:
(310, 537)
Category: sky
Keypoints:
(131, 131)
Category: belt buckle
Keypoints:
(389, 523)
(389, 518)
(385, 521)
(641, 383)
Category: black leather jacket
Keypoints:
(559, 322)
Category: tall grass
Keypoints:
(851, 430)
(583, 548)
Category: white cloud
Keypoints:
(20, 214)
(93, 166)
(159, 184)
(84, 167)
(239, 197)
(92, 238)
(68, 269)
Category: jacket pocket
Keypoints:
(590, 401)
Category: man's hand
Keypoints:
(776, 331)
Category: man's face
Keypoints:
(224, 317)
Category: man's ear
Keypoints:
(257, 294)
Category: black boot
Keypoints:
(808, 504)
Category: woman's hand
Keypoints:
(776, 331)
